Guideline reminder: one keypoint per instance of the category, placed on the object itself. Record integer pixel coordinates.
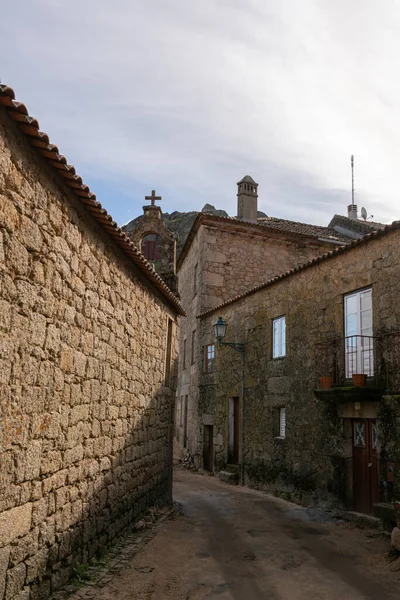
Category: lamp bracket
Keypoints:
(234, 345)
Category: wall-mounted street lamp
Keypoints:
(220, 327)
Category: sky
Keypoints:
(188, 97)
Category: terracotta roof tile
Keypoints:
(341, 250)
(264, 225)
(359, 226)
(307, 229)
(41, 143)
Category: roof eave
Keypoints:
(40, 142)
(341, 250)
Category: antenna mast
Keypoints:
(352, 179)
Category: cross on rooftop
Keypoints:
(153, 197)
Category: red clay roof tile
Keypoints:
(41, 143)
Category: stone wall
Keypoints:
(312, 462)
(237, 257)
(228, 258)
(191, 289)
(151, 222)
(86, 410)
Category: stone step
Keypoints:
(228, 477)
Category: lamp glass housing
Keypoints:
(220, 329)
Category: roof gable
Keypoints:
(395, 226)
(41, 143)
(265, 226)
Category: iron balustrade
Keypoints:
(377, 357)
(341, 358)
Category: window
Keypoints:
(282, 422)
(168, 355)
(359, 434)
(181, 411)
(193, 354)
(359, 347)
(279, 337)
(195, 280)
(184, 355)
(279, 423)
(210, 358)
(151, 248)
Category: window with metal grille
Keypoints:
(359, 343)
(209, 358)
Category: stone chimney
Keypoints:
(352, 211)
(247, 199)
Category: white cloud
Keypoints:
(188, 97)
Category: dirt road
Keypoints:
(238, 544)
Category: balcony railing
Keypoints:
(342, 358)
(377, 357)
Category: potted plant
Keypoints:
(326, 382)
(359, 379)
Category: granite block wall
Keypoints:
(309, 464)
(86, 403)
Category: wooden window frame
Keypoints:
(277, 423)
(281, 335)
(209, 358)
(282, 424)
(193, 348)
(184, 354)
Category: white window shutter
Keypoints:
(282, 422)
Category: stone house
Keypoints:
(223, 257)
(297, 423)
(88, 338)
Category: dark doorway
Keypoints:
(233, 431)
(208, 447)
(185, 422)
(365, 465)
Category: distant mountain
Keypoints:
(181, 223)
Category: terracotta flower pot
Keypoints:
(359, 379)
(326, 382)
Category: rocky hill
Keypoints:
(181, 222)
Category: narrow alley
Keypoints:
(234, 543)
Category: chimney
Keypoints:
(247, 199)
(352, 211)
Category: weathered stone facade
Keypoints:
(87, 379)
(314, 461)
(152, 223)
(222, 258)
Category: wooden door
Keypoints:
(208, 447)
(365, 465)
(185, 423)
(233, 431)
